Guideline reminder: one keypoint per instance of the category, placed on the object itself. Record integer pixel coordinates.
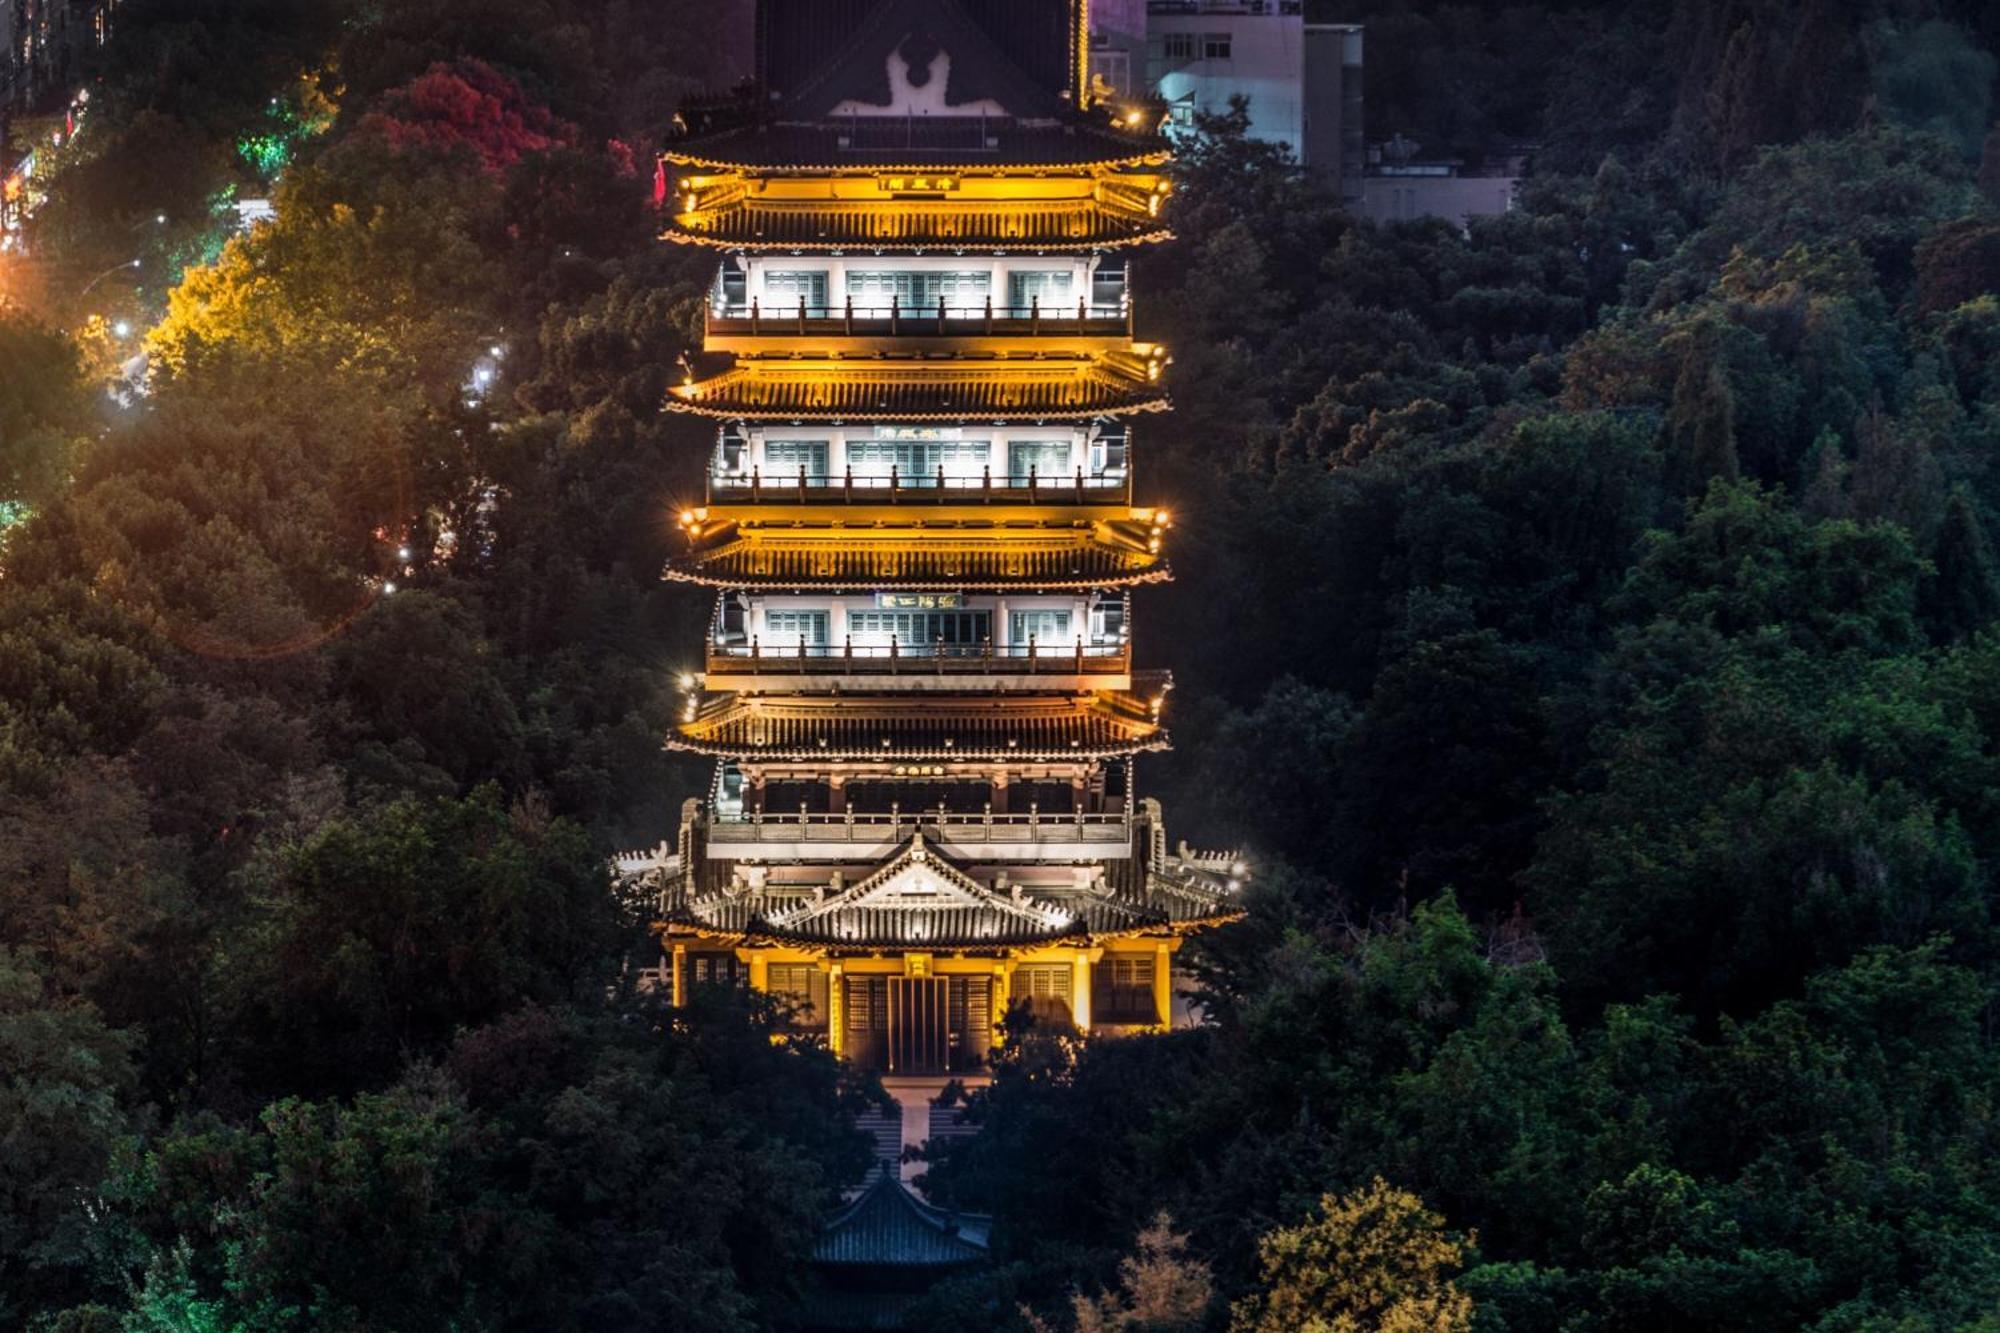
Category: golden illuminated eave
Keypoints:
(1100, 553)
(1071, 209)
(894, 729)
(941, 389)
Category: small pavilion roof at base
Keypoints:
(888, 1225)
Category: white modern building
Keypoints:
(1302, 80)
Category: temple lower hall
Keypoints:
(923, 531)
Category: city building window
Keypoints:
(1180, 46)
(1215, 46)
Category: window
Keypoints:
(1047, 460)
(1180, 46)
(962, 292)
(1215, 46)
(867, 1004)
(918, 631)
(785, 288)
(716, 969)
(1107, 453)
(786, 459)
(791, 629)
(1047, 628)
(1107, 621)
(1113, 67)
(804, 987)
(1044, 992)
(1050, 288)
(918, 461)
(1121, 991)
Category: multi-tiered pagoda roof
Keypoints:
(919, 682)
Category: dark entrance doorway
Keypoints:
(918, 1025)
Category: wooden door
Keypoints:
(919, 1026)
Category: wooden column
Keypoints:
(760, 972)
(1079, 1000)
(1000, 792)
(836, 1008)
(680, 975)
(836, 793)
(1002, 973)
(1163, 984)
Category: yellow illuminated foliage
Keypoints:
(1371, 1261)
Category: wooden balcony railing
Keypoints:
(941, 320)
(899, 659)
(755, 825)
(928, 488)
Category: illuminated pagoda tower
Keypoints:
(921, 532)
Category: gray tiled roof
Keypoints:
(886, 1224)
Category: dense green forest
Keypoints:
(1585, 621)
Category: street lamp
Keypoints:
(115, 268)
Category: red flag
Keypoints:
(660, 184)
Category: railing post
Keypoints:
(894, 484)
(802, 483)
(847, 490)
(986, 647)
(986, 482)
(1035, 313)
(1034, 814)
(848, 324)
(895, 313)
(989, 314)
(756, 647)
(1079, 484)
(756, 315)
(1031, 651)
(940, 479)
(1080, 316)
(1079, 654)
(756, 483)
(847, 653)
(938, 650)
(1032, 470)
(940, 312)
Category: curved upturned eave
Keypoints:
(676, 572)
(949, 246)
(1158, 741)
(756, 937)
